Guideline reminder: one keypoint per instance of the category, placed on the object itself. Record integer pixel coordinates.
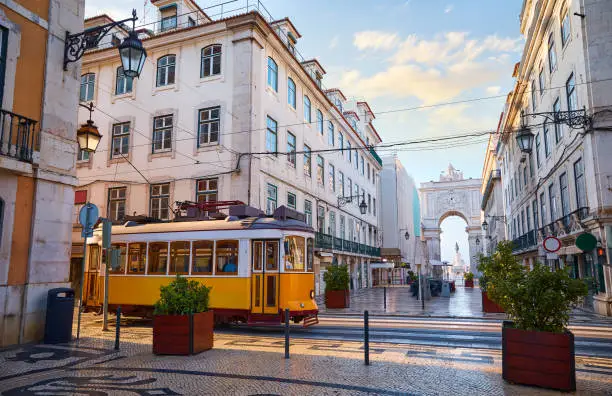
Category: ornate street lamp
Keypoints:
(131, 51)
(485, 225)
(407, 235)
(363, 207)
(88, 135)
(524, 138)
(477, 241)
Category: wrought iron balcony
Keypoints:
(525, 241)
(564, 225)
(325, 241)
(17, 136)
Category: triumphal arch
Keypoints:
(452, 195)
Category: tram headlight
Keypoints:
(312, 295)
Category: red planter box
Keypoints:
(469, 283)
(489, 306)
(337, 299)
(538, 358)
(183, 334)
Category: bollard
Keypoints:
(366, 338)
(117, 328)
(286, 333)
(385, 297)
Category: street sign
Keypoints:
(107, 227)
(586, 242)
(552, 256)
(88, 216)
(551, 244)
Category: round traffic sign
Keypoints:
(551, 244)
(586, 242)
(88, 215)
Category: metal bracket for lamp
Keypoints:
(76, 44)
(571, 118)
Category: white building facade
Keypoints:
(492, 206)
(562, 188)
(228, 111)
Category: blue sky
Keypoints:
(406, 54)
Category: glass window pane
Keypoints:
(179, 257)
(294, 253)
(202, 257)
(271, 256)
(257, 255)
(123, 254)
(137, 257)
(158, 257)
(227, 258)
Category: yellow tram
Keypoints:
(257, 267)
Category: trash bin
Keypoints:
(60, 310)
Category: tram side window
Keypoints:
(179, 257)
(272, 256)
(309, 254)
(257, 255)
(123, 253)
(294, 253)
(158, 258)
(227, 257)
(202, 258)
(137, 255)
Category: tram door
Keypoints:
(265, 277)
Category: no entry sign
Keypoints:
(551, 244)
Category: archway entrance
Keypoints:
(454, 247)
(452, 195)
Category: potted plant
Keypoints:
(183, 324)
(487, 268)
(337, 287)
(537, 348)
(469, 279)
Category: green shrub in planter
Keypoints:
(182, 297)
(336, 278)
(468, 276)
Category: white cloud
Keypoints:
(372, 39)
(493, 90)
(334, 42)
(449, 8)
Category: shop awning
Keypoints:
(382, 265)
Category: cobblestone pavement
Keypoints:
(255, 365)
(463, 303)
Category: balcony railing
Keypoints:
(324, 241)
(564, 223)
(17, 134)
(525, 241)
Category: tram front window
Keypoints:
(179, 257)
(137, 258)
(294, 253)
(158, 257)
(309, 254)
(271, 256)
(227, 257)
(202, 257)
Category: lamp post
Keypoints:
(363, 206)
(131, 51)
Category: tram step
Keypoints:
(264, 320)
(310, 321)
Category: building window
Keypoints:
(307, 110)
(307, 161)
(564, 192)
(272, 74)
(291, 200)
(570, 90)
(332, 223)
(541, 80)
(543, 208)
(271, 199)
(308, 211)
(291, 93)
(321, 219)
(330, 133)
(356, 194)
(123, 83)
(320, 170)
(190, 22)
(581, 199)
(120, 144)
(88, 82)
(558, 130)
(362, 166)
(332, 178)
(534, 207)
(168, 22)
(349, 190)
(291, 149)
(553, 202)
(83, 156)
(116, 203)
(160, 201)
(537, 149)
(546, 139)
(552, 55)
(165, 70)
(211, 61)
(271, 136)
(356, 155)
(565, 27)
(525, 175)
(349, 151)
(533, 95)
(374, 206)
(208, 127)
(320, 122)
(369, 203)
(341, 183)
(341, 143)
(162, 134)
(342, 227)
(3, 59)
(206, 190)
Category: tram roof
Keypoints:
(249, 223)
